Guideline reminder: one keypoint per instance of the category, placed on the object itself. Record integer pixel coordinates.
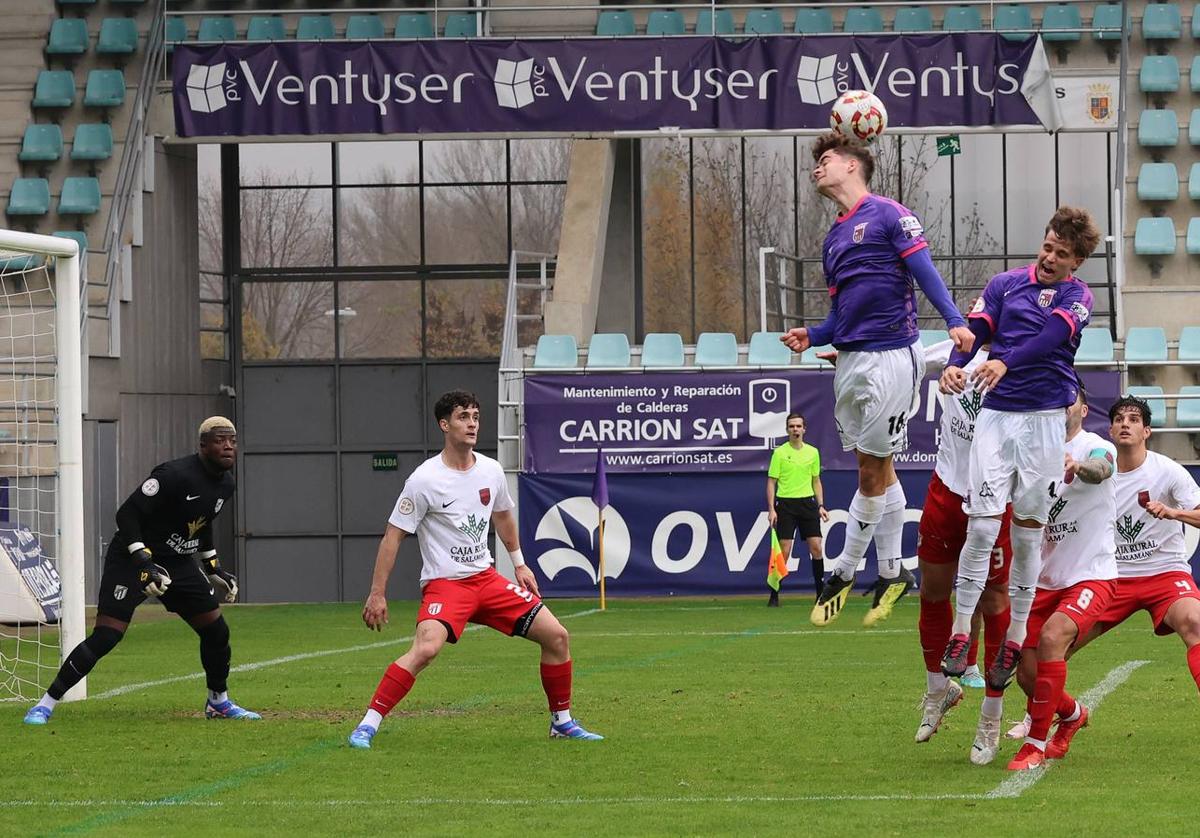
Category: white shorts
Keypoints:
(876, 393)
(1015, 457)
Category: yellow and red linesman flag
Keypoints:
(777, 569)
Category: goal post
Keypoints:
(41, 440)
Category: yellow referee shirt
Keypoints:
(795, 470)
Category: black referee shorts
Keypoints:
(797, 518)
(190, 593)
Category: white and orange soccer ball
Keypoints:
(858, 114)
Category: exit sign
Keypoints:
(949, 146)
(384, 462)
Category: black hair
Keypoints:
(1128, 401)
(447, 402)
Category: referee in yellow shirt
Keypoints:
(796, 499)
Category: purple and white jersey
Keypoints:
(875, 306)
(1017, 306)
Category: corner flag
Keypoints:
(777, 567)
(600, 498)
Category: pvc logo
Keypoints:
(815, 78)
(574, 522)
(204, 87)
(514, 83)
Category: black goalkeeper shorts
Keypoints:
(190, 593)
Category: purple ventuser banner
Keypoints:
(716, 421)
(605, 84)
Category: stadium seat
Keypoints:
(1145, 345)
(266, 28)
(1194, 74)
(813, 21)
(1194, 128)
(1154, 237)
(68, 36)
(1106, 22)
(665, 22)
(1015, 20)
(1153, 396)
(913, 19)
(315, 28)
(962, 19)
(716, 349)
(105, 89)
(608, 349)
(217, 29)
(22, 262)
(29, 196)
(556, 351)
(41, 144)
(1159, 74)
(1158, 182)
(863, 20)
(79, 236)
(1061, 17)
(54, 89)
(615, 23)
(724, 22)
(1095, 345)
(80, 196)
(662, 349)
(1196, 21)
(1187, 411)
(118, 36)
(1191, 241)
(809, 356)
(1189, 343)
(175, 31)
(467, 26)
(763, 22)
(767, 350)
(364, 28)
(414, 25)
(93, 141)
(931, 336)
(1158, 129)
(1160, 22)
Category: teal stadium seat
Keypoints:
(665, 22)
(78, 236)
(68, 36)
(175, 31)
(1095, 346)
(414, 25)
(1153, 396)
(1194, 74)
(1161, 22)
(1145, 345)
(1194, 128)
(962, 19)
(763, 22)
(1062, 16)
(716, 349)
(608, 349)
(80, 196)
(556, 351)
(93, 141)
(29, 196)
(266, 28)
(1189, 343)
(364, 28)
(217, 29)
(723, 22)
(913, 19)
(1192, 239)
(315, 28)
(1154, 237)
(931, 336)
(105, 89)
(767, 350)
(1013, 16)
(809, 356)
(1106, 22)
(1187, 411)
(811, 21)
(464, 26)
(1196, 21)
(615, 23)
(19, 263)
(41, 144)
(1158, 182)
(863, 20)
(1159, 74)
(1158, 129)
(54, 89)
(662, 349)
(118, 36)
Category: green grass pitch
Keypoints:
(722, 717)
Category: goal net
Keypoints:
(41, 481)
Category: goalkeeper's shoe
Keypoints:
(934, 707)
(833, 597)
(1060, 742)
(571, 730)
(954, 661)
(1030, 756)
(228, 710)
(1002, 670)
(972, 678)
(362, 736)
(887, 592)
(987, 739)
(38, 715)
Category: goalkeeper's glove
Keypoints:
(222, 580)
(153, 578)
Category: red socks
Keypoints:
(1066, 705)
(394, 685)
(556, 681)
(973, 651)
(1047, 693)
(1193, 657)
(937, 618)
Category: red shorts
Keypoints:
(486, 598)
(1155, 594)
(943, 530)
(1083, 602)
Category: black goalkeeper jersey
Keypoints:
(172, 511)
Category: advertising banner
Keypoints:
(30, 589)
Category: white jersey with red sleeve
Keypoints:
(957, 428)
(449, 512)
(1147, 546)
(1080, 544)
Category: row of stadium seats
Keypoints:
(56, 89)
(30, 196)
(69, 37)
(1187, 410)
(44, 143)
(1157, 237)
(1160, 74)
(1160, 128)
(321, 28)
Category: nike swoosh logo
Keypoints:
(212, 591)
(192, 497)
(1035, 701)
(447, 503)
(1073, 608)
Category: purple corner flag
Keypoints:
(600, 483)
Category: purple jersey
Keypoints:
(1017, 306)
(875, 306)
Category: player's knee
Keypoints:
(103, 640)
(215, 634)
(1054, 641)
(1188, 627)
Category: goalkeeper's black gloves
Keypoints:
(152, 577)
(224, 583)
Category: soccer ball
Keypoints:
(858, 114)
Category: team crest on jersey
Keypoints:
(405, 506)
(119, 592)
(1046, 297)
(860, 230)
(1129, 530)
(910, 226)
(434, 609)
(150, 488)
(1080, 311)
(485, 496)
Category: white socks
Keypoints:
(48, 702)
(560, 717)
(936, 682)
(373, 719)
(1022, 579)
(865, 514)
(890, 531)
(973, 565)
(217, 698)
(993, 706)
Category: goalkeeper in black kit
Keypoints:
(164, 548)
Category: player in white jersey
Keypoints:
(447, 503)
(1077, 581)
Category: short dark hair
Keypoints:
(1082, 388)
(444, 407)
(1126, 402)
(846, 147)
(1074, 225)
(792, 416)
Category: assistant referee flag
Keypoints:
(777, 569)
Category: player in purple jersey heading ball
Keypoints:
(872, 257)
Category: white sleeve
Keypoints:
(937, 355)
(504, 501)
(410, 508)
(1184, 490)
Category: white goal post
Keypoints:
(41, 460)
